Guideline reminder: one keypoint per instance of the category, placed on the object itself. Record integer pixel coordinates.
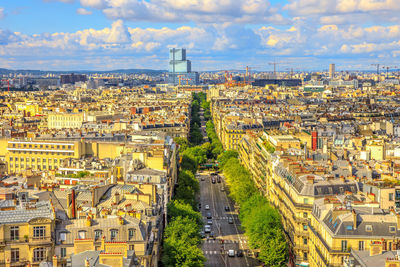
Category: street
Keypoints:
(227, 236)
(233, 239)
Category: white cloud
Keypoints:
(82, 11)
(203, 11)
(93, 3)
(1, 13)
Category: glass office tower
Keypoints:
(180, 68)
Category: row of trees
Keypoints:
(181, 237)
(261, 222)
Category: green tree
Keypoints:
(225, 156)
(181, 243)
(189, 162)
(180, 208)
(182, 142)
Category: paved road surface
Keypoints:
(214, 250)
(227, 235)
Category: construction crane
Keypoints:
(377, 68)
(275, 64)
(387, 69)
(247, 77)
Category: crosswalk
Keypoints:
(219, 218)
(212, 241)
(212, 252)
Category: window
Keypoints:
(131, 247)
(63, 252)
(349, 227)
(305, 215)
(11, 158)
(368, 228)
(15, 255)
(97, 234)
(132, 233)
(14, 232)
(63, 236)
(344, 245)
(305, 227)
(392, 229)
(305, 201)
(391, 197)
(39, 254)
(39, 231)
(305, 241)
(114, 233)
(360, 245)
(81, 234)
(305, 256)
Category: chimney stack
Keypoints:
(73, 204)
(354, 219)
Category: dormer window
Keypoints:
(368, 228)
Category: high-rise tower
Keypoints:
(331, 71)
(180, 69)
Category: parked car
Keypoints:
(230, 220)
(239, 253)
(202, 234)
(227, 208)
(207, 228)
(231, 253)
(209, 221)
(207, 207)
(209, 216)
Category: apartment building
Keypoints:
(65, 120)
(349, 222)
(26, 233)
(41, 155)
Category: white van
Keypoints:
(207, 228)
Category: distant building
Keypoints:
(180, 69)
(72, 78)
(331, 71)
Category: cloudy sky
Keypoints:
(219, 34)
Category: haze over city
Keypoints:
(113, 34)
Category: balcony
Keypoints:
(40, 240)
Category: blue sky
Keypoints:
(219, 34)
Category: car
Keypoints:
(213, 180)
(239, 253)
(202, 178)
(212, 235)
(219, 179)
(222, 189)
(209, 221)
(199, 205)
(230, 220)
(209, 216)
(207, 228)
(207, 207)
(227, 208)
(231, 253)
(202, 234)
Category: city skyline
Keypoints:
(106, 35)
